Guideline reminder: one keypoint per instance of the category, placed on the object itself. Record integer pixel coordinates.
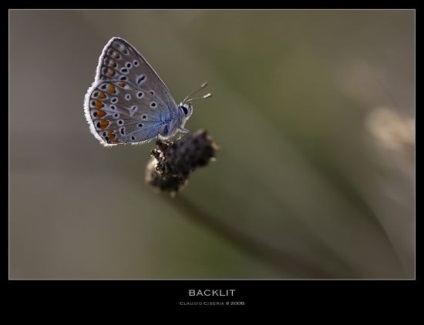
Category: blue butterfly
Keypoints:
(129, 103)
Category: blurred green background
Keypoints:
(314, 112)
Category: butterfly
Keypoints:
(129, 103)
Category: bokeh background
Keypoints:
(314, 113)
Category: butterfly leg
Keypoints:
(182, 130)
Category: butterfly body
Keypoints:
(128, 102)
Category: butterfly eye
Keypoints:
(185, 110)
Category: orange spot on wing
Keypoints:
(101, 95)
(110, 72)
(103, 124)
(110, 137)
(121, 84)
(100, 113)
(98, 104)
(111, 89)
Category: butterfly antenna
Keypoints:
(202, 97)
(188, 99)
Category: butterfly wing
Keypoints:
(128, 102)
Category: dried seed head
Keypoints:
(172, 162)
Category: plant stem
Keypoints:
(284, 262)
